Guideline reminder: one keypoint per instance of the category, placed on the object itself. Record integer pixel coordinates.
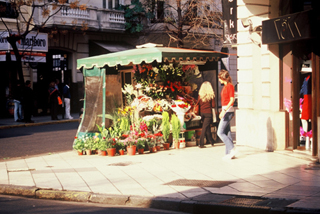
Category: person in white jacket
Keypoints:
(67, 97)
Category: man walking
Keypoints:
(67, 97)
(17, 99)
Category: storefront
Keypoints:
(296, 36)
(103, 76)
(278, 73)
(33, 50)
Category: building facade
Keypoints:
(276, 46)
(98, 28)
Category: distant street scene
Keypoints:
(35, 140)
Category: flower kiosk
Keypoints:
(141, 97)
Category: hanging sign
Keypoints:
(32, 42)
(292, 27)
(229, 8)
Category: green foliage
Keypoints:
(165, 125)
(176, 128)
(120, 146)
(134, 14)
(102, 145)
(124, 124)
(141, 143)
(78, 144)
(111, 143)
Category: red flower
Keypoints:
(75, 137)
(125, 135)
(159, 134)
(173, 106)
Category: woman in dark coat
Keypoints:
(53, 97)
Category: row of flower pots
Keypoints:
(131, 150)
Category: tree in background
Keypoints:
(193, 22)
(23, 11)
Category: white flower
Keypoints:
(155, 69)
(138, 86)
(147, 89)
(165, 67)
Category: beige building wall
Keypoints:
(260, 123)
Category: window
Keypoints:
(104, 4)
(157, 9)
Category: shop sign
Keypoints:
(229, 8)
(25, 56)
(293, 27)
(34, 41)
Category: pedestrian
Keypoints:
(227, 113)
(53, 99)
(17, 100)
(28, 102)
(207, 103)
(67, 97)
(59, 87)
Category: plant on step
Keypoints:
(78, 144)
(176, 128)
(165, 126)
(111, 143)
(102, 144)
(141, 143)
(120, 146)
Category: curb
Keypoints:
(162, 203)
(38, 124)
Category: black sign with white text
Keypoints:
(292, 27)
(229, 9)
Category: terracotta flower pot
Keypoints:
(153, 149)
(111, 151)
(80, 152)
(121, 152)
(88, 152)
(131, 150)
(158, 148)
(141, 151)
(166, 146)
(103, 153)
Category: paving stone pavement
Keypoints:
(186, 176)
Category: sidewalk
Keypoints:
(38, 120)
(191, 180)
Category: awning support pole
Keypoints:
(103, 73)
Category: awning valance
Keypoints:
(148, 55)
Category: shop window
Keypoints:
(59, 62)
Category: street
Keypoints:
(35, 140)
(14, 204)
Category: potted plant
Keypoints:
(140, 146)
(111, 146)
(88, 144)
(131, 143)
(120, 147)
(165, 129)
(176, 128)
(78, 145)
(102, 147)
(152, 143)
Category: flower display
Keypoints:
(180, 106)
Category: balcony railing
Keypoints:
(96, 19)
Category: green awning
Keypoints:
(148, 55)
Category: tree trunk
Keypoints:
(12, 42)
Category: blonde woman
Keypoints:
(206, 102)
(227, 113)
